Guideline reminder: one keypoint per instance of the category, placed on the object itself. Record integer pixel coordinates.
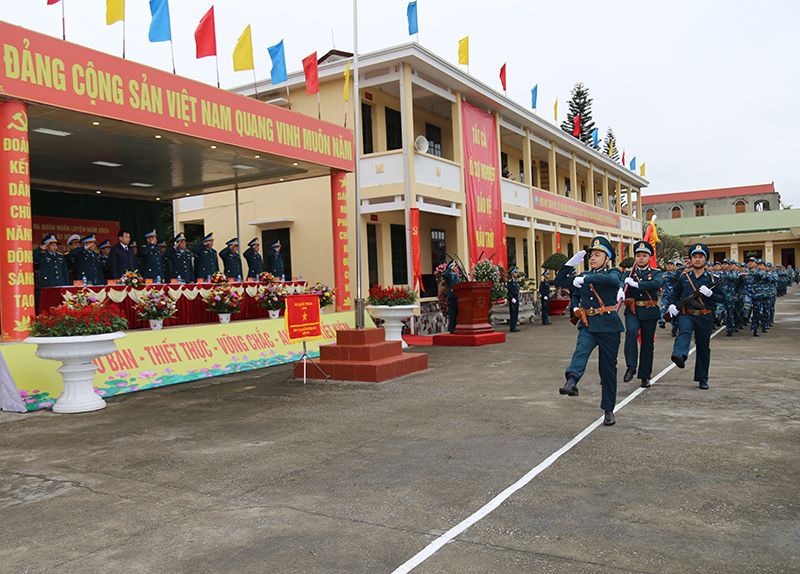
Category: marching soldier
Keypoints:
(641, 313)
(512, 290)
(152, 260)
(232, 260)
(599, 324)
(206, 262)
(53, 265)
(181, 259)
(544, 295)
(275, 261)
(731, 281)
(88, 267)
(760, 292)
(255, 264)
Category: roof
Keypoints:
(761, 189)
(751, 222)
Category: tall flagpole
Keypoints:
(123, 32)
(360, 324)
(172, 50)
(255, 82)
(63, 20)
(216, 59)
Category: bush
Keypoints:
(555, 261)
(627, 263)
(65, 321)
(391, 296)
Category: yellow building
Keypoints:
(559, 195)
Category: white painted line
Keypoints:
(459, 528)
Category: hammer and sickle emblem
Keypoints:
(23, 122)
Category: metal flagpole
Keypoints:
(63, 20)
(359, 303)
(216, 59)
(123, 33)
(255, 86)
(236, 189)
(172, 49)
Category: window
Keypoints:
(511, 252)
(741, 207)
(599, 198)
(567, 188)
(648, 215)
(699, 209)
(676, 212)
(394, 130)
(372, 253)
(521, 171)
(438, 249)
(434, 135)
(525, 256)
(762, 205)
(399, 261)
(366, 127)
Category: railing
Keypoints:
(383, 168)
(437, 172)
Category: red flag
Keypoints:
(51, 2)
(576, 122)
(503, 76)
(205, 37)
(623, 157)
(312, 77)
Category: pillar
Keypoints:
(16, 256)
(735, 251)
(605, 190)
(462, 237)
(551, 160)
(769, 257)
(341, 245)
(573, 177)
(590, 191)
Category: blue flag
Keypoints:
(534, 93)
(595, 136)
(160, 30)
(412, 18)
(278, 56)
(633, 164)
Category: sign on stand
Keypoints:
(303, 324)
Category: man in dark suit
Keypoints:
(231, 260)
(452, 279)
(122, 259)
(255, 264)
(544, 295)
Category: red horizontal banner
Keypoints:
(571, 208)
(63, 228)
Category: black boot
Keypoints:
(678, 360)
(570, 388)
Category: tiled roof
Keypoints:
(709, 194)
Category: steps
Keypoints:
(363, 355)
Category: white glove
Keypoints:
(706, 291)
(577, 258)
(578, 281)
(620, 295)
(576, 309)
(673, 310)
(630, 281)
(513, 300)
(545, 298)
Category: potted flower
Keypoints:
(155, 306)
(218, 278)
(271, 297)
(267, 277)
(77, 333)
(485, 270)
(393, 305)
(132, 279)
(558, 305)
(223, 301)
(325, 294)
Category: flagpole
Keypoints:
(255, 86)
(63, 20)
(172, 50)
(319, 108)
(288, 97)
(123, 33)
(359, 303)
(216, 59)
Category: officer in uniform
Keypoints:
(695, 316)
(206, 262)
(666, 288)
(512, 290)
(544, 295)
(275, 261)
(53, 265)
(73, 242)
(162, 247)
(232, 260)
(641, 312)
(87, 262)
(104, 249)
(255, 264)
(181, 259)
(599, 290)
(152, 261)
(452, 279)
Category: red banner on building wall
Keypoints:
(63, 228)
(341, 245)
(302, 318)
(416, 256)
(571, 208)
(484, 199)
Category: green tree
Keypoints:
(580, 104)
(670, 248)
(610, 147)
(555, 261)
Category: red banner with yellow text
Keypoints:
(63, 228)
(484, 200)
(341, 242)
(302, 318)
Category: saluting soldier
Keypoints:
(87, 262)
(152, 259)
(641, 313)
(231, 259)
(512, 291)
(451, 279)
(53, 265)
(206, 262)
(255, 264)
(275, 261)
(600, 325)
(181, 259)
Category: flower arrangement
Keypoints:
(81, 299)
(74, 319)
(218, 278)
(272, 296)
(391, 296)
(223, 299)
(132, 279)
(267, 277)
(442, 296)
(155, 305)
(324, 293)
(485, 270)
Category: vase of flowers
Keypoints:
(272, 297)
(223, 300)
(267, 277)
(218, 278)
(326, 294)
(132, 279)
(77, 333)
(393, 305)
(155, 307)
(485, 270)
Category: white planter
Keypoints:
(274, 313)
(77, 371)
(156, 324)
(393, 319)
(224, 318)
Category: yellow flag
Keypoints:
(610, 148)
(463, 51)
(641, 169)
(347, 83)
(654, 235)
(115, 11)
(555, 110)
(243, 52)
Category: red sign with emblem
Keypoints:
(302, 318)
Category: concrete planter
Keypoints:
(393, 318)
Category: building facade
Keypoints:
(709, 202)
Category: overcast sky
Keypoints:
(704, 92)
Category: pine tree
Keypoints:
(580, 104)
(613, 152)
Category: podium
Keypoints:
(472, 325)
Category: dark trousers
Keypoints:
(701, 325)
(452, 303)
(545, 311)
(759, 319)
(513, 312)
(609, 347)
(633, 324)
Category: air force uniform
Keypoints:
(87, 263)
(153, 266)
(206, 262)
(255, 264)
(182, 261)
(231, 261)
(53, 265)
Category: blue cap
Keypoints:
(209, 237)
(104, 244)
(602, 244)
(50, 238)
(699, 248)
(512, 271)
(89, 238)
(161, 244)
(253, 242)
(545, 272)
(449, 265)
(275, 244)
(643, 247)
(232, 242)
(180, 237)
(149, 233)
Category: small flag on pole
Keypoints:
(115, 11)
(623, 157)
(160, 29)
(413, 28)
(595, 135)
(633, 164)
(503, 77)
(610, 148)
(51, 2)
(347, 83)
(534, 95)
(312, 74)
(576, 125)
(243, 52)
(205, 36)
(278, 73)
(555, 110)
(641, 170)
(463, 51)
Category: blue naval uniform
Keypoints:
(153, 265)
(275, 262)
(53, 267)
(604, 327)
(206, 263)
(232, 262)
(87, 264)
(255, 264)
(645, 318)
(451, 279)
(700, 320)
(182, 264)
(512, 290)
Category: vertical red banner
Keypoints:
(484, 199)
(558, 242)
(415, 248)
(341, 246)
(16, 255)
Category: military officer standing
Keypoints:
(599, 325)
(275, 261)
(544, 295)
(206, 262)
(181, 259)
(695, 316)
(152, 261)
(641, 313)
(104, 249)
(512, 290)
(451, 279)
(87, 262)
(53, 265)
(232, 260)
(255, 264)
